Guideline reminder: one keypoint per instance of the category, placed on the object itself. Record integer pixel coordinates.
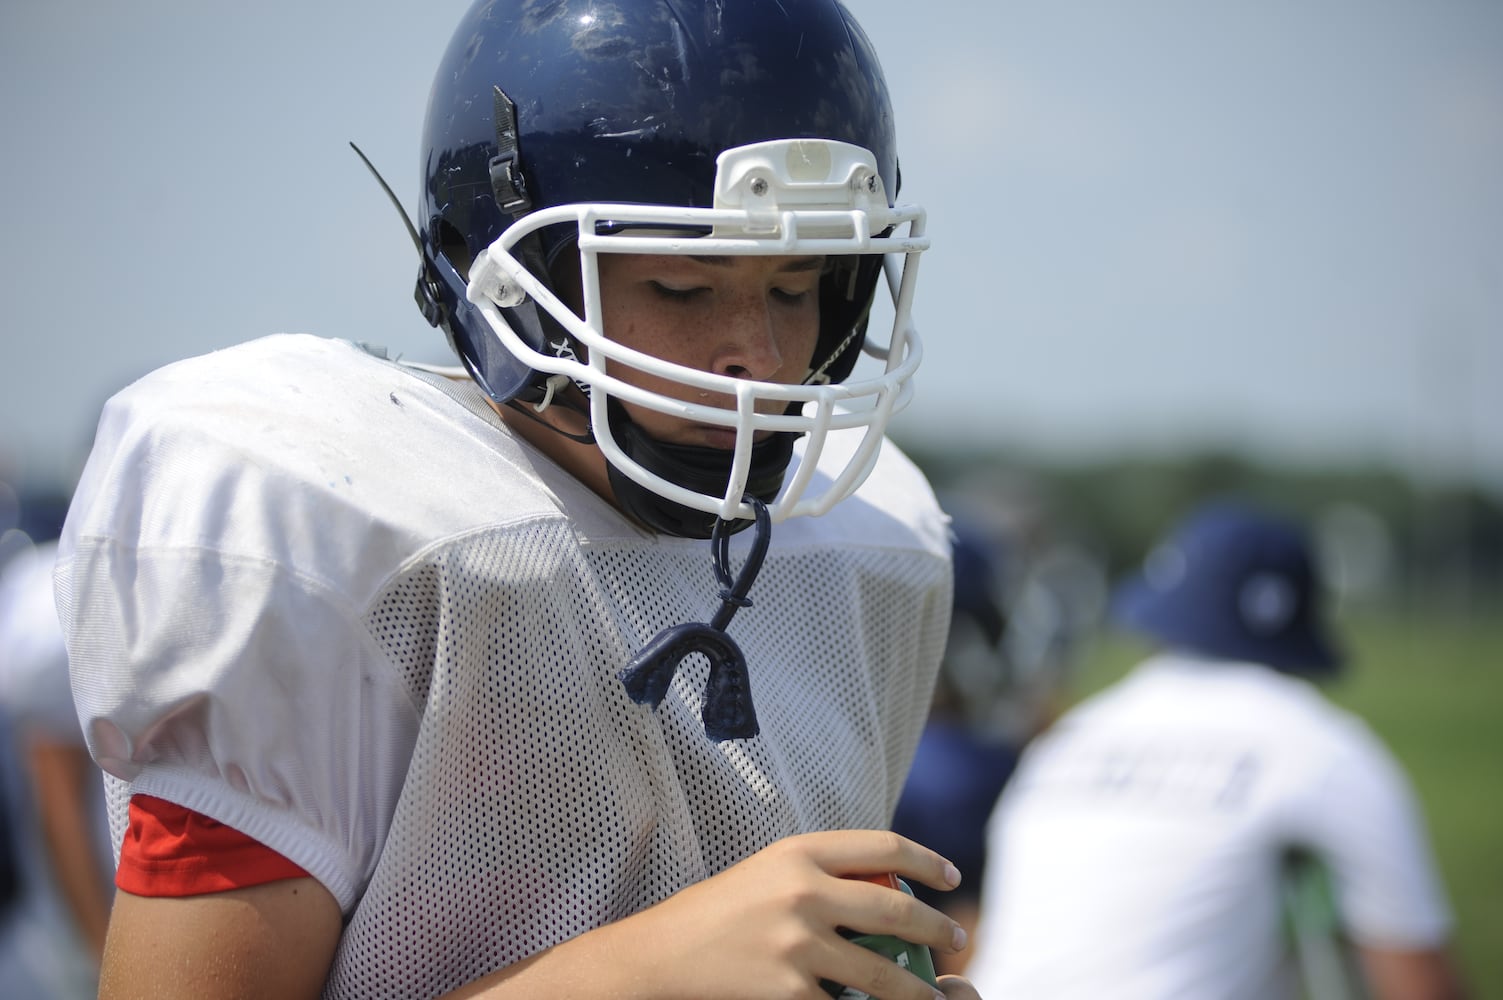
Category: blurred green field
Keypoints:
(1431, 684)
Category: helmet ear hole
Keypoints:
(451, 243)
(567, 281)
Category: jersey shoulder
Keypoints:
(306, 452)
(894, 506)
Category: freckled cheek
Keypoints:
(656, 339)
(797, 348)
(662, 340)
(648, 332)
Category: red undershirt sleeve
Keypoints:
(169, 850)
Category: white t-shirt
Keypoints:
(33, 660)
(42, 953)
(1136, 852)
(334, 603)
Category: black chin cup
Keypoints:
(703, 470)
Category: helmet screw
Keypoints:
(759, 186)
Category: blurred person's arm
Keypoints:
(64, 779)
(1421, 974)
(1369, 828)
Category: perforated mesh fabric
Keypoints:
(391, 656)
(511, 836)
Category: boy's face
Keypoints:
(745, 317)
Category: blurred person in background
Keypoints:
(991, 697)
(52, 929)
(1143, 847)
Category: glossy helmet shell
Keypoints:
(631, 102)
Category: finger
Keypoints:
(877, 975)
(869, 908)
(874, 852)
(936, 871)
(956, 988)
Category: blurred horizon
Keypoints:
(1160, 229)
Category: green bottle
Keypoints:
(913, 957)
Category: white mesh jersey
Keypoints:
(332, 602)
(1136, 852)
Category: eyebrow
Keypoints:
(797, 264)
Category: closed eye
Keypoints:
(676, 294)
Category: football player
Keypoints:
(417, 682)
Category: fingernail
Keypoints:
(952, 876)
(958, 939)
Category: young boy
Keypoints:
(416, 683)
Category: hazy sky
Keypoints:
(1271, 224)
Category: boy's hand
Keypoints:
(767, 927)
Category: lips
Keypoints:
(711, 436)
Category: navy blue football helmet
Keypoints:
(558, 130)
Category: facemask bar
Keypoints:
(792, 197)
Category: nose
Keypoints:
(747, 347)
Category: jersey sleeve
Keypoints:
(1365, 821)
(216, 660)
(172, 851)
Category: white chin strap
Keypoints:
(789, 197)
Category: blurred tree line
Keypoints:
(1385, 539)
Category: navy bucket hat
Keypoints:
(1234, 583)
